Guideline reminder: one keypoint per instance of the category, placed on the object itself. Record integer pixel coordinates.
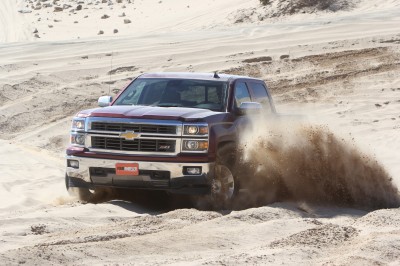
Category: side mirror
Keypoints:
(248, 108)
(105, 101)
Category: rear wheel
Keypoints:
(87, 195)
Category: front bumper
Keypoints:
(167, 176)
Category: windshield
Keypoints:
(175, 93)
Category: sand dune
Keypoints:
(336, 68)
(14, 26)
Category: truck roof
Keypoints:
(194, 75)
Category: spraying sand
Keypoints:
(293, 161)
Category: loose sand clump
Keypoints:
(307, 6)
(280, 8)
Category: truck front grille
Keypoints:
(138, 128)
(143, 145)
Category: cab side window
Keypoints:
(260, 95)
(241, 93)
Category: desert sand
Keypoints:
(337, 68)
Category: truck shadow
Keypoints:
(151, 202)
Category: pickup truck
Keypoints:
(175, 132)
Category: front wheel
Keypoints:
(87, 195)
(224, 185)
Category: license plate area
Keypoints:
(127, 169)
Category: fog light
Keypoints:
(191, 170)
(73, 164)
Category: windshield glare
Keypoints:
(203, 94)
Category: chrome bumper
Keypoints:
(175, 169)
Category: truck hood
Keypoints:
(150, 112)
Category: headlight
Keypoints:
(195, 145)
(78, 123)
(77, 135)
(78, 139)
(193, 130)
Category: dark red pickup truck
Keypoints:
(175, 132)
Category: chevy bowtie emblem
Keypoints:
(129, 135)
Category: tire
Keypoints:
(86, 195)
(224, 186)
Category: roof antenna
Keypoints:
(216, 75)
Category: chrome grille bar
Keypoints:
(138, 128)
(144, 145)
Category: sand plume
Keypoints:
(291, 161)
